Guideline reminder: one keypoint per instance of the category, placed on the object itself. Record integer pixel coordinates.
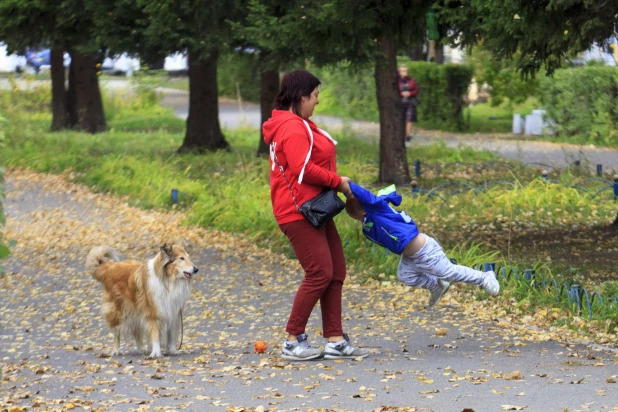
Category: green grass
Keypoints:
(137, 158)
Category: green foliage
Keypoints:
(541, 32)
(347, 91)
(442, 92)
(242, 70)
(582, 104)
(502, 75)
(350, 92)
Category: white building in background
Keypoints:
(11, 63)
(177, 63)
(453, 55)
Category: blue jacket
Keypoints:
(383, 224)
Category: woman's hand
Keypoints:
(344, 186)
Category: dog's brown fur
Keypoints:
(144, 296)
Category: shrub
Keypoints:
(350, 92)
(506, 82)
(442, 93)
(582, 104)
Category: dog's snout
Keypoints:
(195, 269)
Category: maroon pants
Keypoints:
(320, 253)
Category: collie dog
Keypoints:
(144, 299)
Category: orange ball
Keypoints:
(260, 346)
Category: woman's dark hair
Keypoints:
(294, 86)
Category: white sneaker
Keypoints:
(491, 284)
(438, 293)
(300, 350)
(344, 350)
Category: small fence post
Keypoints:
(615, 187)
(489, 267)
(599, 170)
(529, 274)
(174, 196)
(414, 185)
(544, 174)
(575, 293)
(417, 168)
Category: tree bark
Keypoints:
(203, 129)
(269, 88)
(60, 117)
(88, 101)
(393, 158)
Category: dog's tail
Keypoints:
(97, 256)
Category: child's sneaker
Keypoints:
(491, 284)
(438, 292)
(300, 350)
(343, 350)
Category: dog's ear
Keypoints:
(186, 244)
(166, 251)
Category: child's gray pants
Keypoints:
(425, 267)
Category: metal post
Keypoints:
(414, 185)
(615, 187)
(577, 297)
(174, 196)
(489, 267)
(417, 168)
(599, 170)
(544, 174)
(529, 274)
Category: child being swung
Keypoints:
(423, 262)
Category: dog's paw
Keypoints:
(155, 354)
(173, 352)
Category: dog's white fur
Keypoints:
(144, 299)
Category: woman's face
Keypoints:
(308, 103)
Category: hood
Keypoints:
(278, 118)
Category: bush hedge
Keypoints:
(442, 93)
(581, 102)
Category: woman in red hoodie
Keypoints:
(308, 158)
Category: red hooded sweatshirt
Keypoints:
(309, 166)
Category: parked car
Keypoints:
(38, 58)
(12, 63)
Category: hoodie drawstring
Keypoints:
(272, 154)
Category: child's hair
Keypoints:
(354, 209)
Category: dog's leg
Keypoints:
(153, 329)
(172, 335)
(116, 341)
(139, 342)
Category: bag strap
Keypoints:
(274, 155)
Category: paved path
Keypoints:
(232, 115)
(54, 343)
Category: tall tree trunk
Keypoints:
(393, 159)
(88, 101)
(269, 87)
(60, 117)
(203, 129)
